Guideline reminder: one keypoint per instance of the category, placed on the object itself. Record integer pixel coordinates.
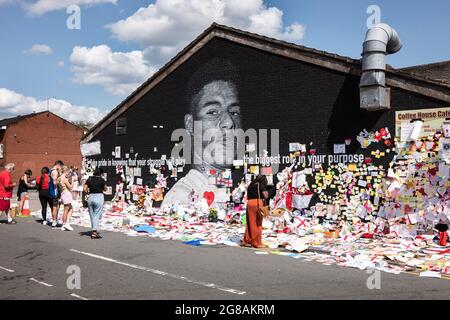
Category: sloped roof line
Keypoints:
(13, 120)
(275, 46)
(437, 71)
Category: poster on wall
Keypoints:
(433, 120)
(117, 152)
(91, 149)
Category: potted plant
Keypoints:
(212, 217)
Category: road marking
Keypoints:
(8, 270)
(40, 282)
(162, 273)
(77, 296)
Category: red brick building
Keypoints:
(37, 140)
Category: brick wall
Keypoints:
(39, 141)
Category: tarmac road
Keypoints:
(34, 260)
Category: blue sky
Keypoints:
(86, 84)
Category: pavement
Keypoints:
(37, 262)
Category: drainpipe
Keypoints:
(380, 41)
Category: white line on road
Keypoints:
(162, 273)
(8, 270)
(77, 296)
(40, 282)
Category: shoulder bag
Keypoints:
(265, 210)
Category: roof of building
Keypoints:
(10, 121)
(394, 78)
(438, 72)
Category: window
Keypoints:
(1, 151)
(121, 126)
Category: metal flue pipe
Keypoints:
(380, 41)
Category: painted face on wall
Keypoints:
(218, 108)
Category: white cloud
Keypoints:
(38, 49)
(173, 23)
(162, 29)
(3, 2)
(41, 7)
(61, 64)
(118, 72)
(14, 103)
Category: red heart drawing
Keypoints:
(348, 142)
(312, 151)
(209, 196)
(368, 160)
(387, 143)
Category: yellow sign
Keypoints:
(433, 119)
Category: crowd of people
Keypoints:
(58, 187)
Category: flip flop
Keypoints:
(12, 222)
(244, 244)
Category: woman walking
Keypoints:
(256, 196)
(22, 190)
(65, 185)
(43, 186)
(95, 186)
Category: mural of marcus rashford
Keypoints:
(212, 99)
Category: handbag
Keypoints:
(265, 210)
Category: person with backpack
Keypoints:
(55, 194)
(43, 187)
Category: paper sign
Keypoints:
(254, 170)
(139, 181)
(117, 152)
(301, 201)
(445, 149)
(416, 130)
(446, 129)
(362, 183)
(91, 149)
(295, 146)
(339, 148)
(267, 171)
(406, 131)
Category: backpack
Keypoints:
(51, 186)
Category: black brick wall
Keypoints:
(307, 103)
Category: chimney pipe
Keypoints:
(380, 41)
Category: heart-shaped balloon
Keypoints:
(209, 196)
